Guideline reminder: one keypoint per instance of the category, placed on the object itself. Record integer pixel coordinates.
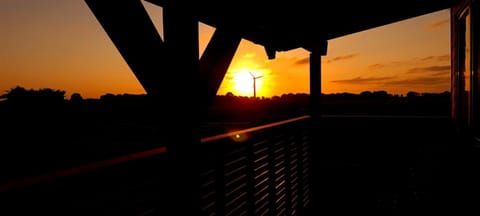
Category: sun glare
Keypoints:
(244, 81)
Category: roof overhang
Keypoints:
(286, 25)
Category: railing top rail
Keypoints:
(249, 130)
(32, 180)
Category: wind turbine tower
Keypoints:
(255, 83)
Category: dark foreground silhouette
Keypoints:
(43, 130)
(376, 153)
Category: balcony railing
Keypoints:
(255, 171)
(258, 171)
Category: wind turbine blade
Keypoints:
(251, 74)
(259, 77)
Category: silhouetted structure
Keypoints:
(254, 78)
(287, 167)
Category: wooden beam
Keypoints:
(131, 30)
(215, 61)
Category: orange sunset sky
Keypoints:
(59, 44)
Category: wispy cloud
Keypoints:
(420, 81)
(249, 55)
(437, 58)
(302, 61)
(342, 57)
(441, 73)
(376, 66)
(443, 58)
(417, 64)
(435, 68)
(361, 80)
(438, 25)
(427, 58)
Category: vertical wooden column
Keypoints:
(316, 144)
(315, 84)
(316, 52)
(180, 111)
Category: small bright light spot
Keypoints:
(239, 137)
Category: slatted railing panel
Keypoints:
(208, 192)
(279, 177)
(236, 180)
(266, 174)
(293, 178)
(305, 163)
(261, 178)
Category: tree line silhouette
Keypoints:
(229, 107)
(42, 129)
(130, 113)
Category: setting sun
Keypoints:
(246, 65)
(244, 81)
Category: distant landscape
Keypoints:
(41, 127)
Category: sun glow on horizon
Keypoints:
(246, 64)
(244, 81)
(77, 56)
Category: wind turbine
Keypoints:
(254, 83)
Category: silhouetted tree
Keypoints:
(412, 94)
(366, 94)
(45, 96)
(76, 98)
(17, 94)
(49, 95)
(380, 94)
(445, 94)
(109, 97)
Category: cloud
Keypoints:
(438, 58)
(376, 66)
(438, 25)
(435, 68)
(444, 57)
(441, 73)
(249, 55)
(343, 57)
(302, 61)
(427, 58)
(360, 80)
(420, 81)
(417, 64)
